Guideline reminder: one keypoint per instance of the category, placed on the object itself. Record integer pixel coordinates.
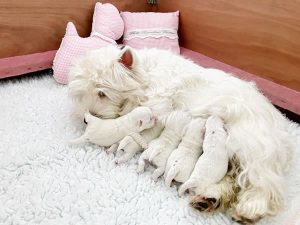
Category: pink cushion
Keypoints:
(151, 30)
(107, 27)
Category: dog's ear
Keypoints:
(128, 57)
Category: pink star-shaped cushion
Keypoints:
(107, 27)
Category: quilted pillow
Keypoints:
(151, 30)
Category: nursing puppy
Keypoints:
(212, 165)
(165, 143)
(106, 132)
(183, 159)
(130, 146)
(220, 195)
(110, 82)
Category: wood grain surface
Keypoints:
(33, 26)
(259, 36)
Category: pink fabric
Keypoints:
(151, 30)
(18, 65)
(107, 27)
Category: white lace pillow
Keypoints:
(151, 30)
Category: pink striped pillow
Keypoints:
(151, 30)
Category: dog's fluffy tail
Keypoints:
(172, 173)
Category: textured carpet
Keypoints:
(45, 181)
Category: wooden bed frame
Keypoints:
(254, 40)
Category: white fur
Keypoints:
(130, 146)
(106, 132)
(182, 160)
(212, 165)
(257, 131)
(160, 148)
(139, 139)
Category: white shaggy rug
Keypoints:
(45, 181)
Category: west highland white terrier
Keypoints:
(111, 82)
(160, 148)
(106, 132)
(182, 160)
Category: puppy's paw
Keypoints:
(157, 173)
(154, 154)
(181, 191)
(204, 204)
(144, 146)
(120, 161)
(154, 177)
(140, 169)
(112, 148)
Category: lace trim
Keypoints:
(151, 32)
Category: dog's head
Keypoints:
(107, 82)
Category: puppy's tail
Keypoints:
(172, 173)
(191, 183)
(79, 140)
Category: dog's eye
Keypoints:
(101, 94)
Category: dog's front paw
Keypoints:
(242, 219)
(204, 204)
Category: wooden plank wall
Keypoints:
(259, 36)
(33, 26)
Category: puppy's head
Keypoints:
(144, 118)
(107, 82)
(214, 123)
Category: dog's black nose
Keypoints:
(84, 121)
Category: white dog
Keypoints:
(212, 165)
(106, 132)
(160, 148)
(182, 160)
(111, 82)
(130, 146)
